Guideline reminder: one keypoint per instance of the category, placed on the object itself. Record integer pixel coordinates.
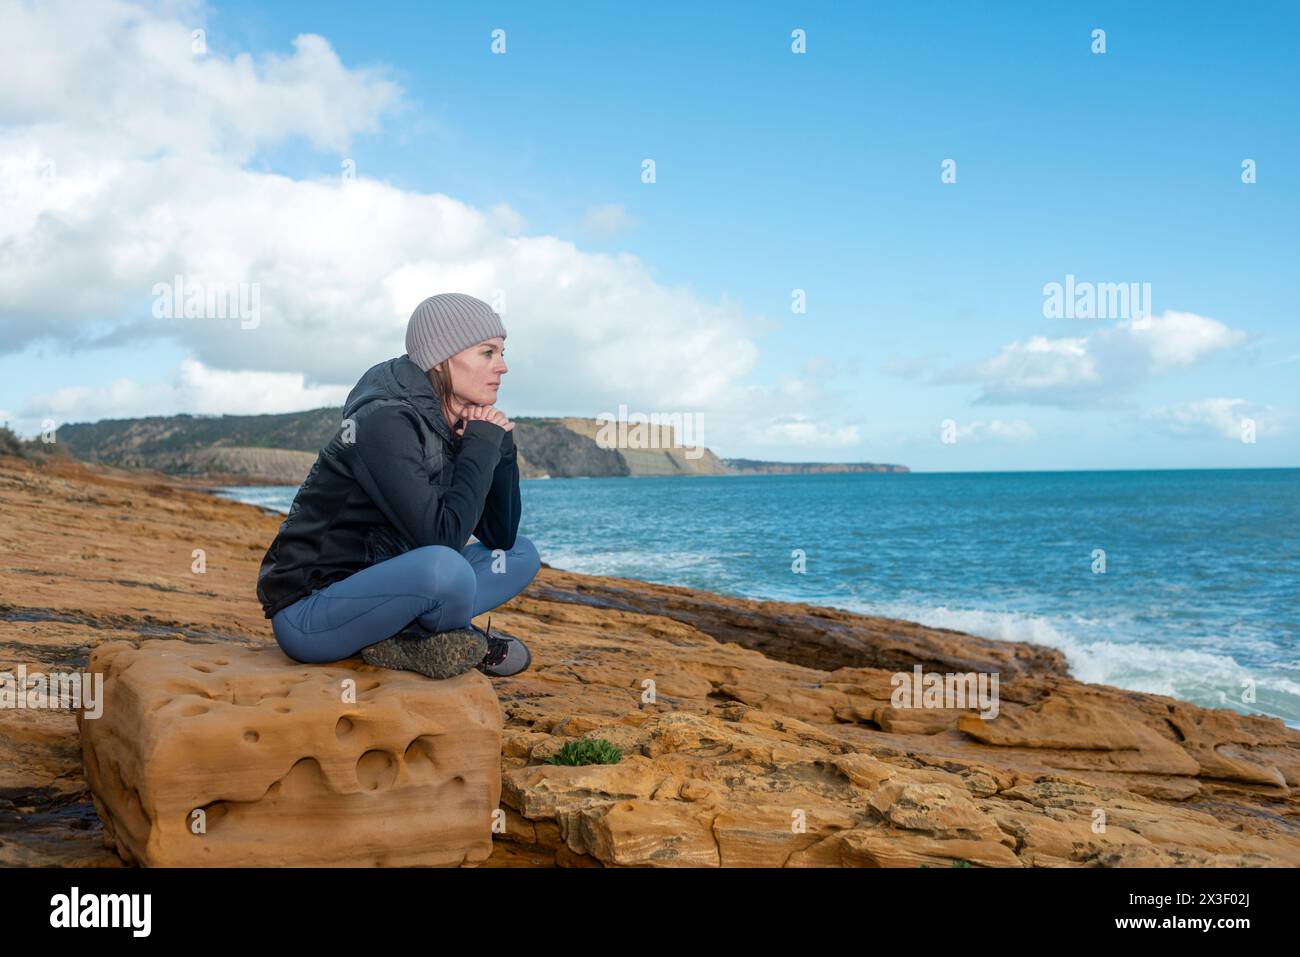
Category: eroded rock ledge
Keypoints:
(769, 737)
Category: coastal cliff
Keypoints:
(752, 733)
(280, 449)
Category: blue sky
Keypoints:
(775, 171)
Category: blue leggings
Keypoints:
(442, 587)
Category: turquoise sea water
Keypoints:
(1200, 592)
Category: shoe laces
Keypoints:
(498, 648)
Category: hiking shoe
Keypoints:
(440, 654)
(506, 654)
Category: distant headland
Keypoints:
(280, 449)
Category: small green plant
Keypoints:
(586, 751)
(957, 863)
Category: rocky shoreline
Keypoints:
(763, 714)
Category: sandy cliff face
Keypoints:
(752, 732)
(649, 450)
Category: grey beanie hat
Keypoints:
(445, 324)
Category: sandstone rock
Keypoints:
(273, 762)
(936, 809)
(875, 847)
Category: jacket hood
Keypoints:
(400, 379)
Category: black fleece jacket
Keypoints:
(394, 477)
(482, 497)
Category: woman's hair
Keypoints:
(441, 380)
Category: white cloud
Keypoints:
(1099, 367)
(922, 367)
(506, 220)
(1217, 418)
(192, 388)
(1172, 340)
(804, 431)
(607, 220)
(1040, 366)
(825, 368)
(112, 185)
(92, 80)
(1015, 430)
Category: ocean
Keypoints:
(1183, 583)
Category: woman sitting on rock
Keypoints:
(374, 555)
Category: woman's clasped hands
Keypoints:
(489, 413)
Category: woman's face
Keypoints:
(476, 372)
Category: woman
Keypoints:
(373, 555)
